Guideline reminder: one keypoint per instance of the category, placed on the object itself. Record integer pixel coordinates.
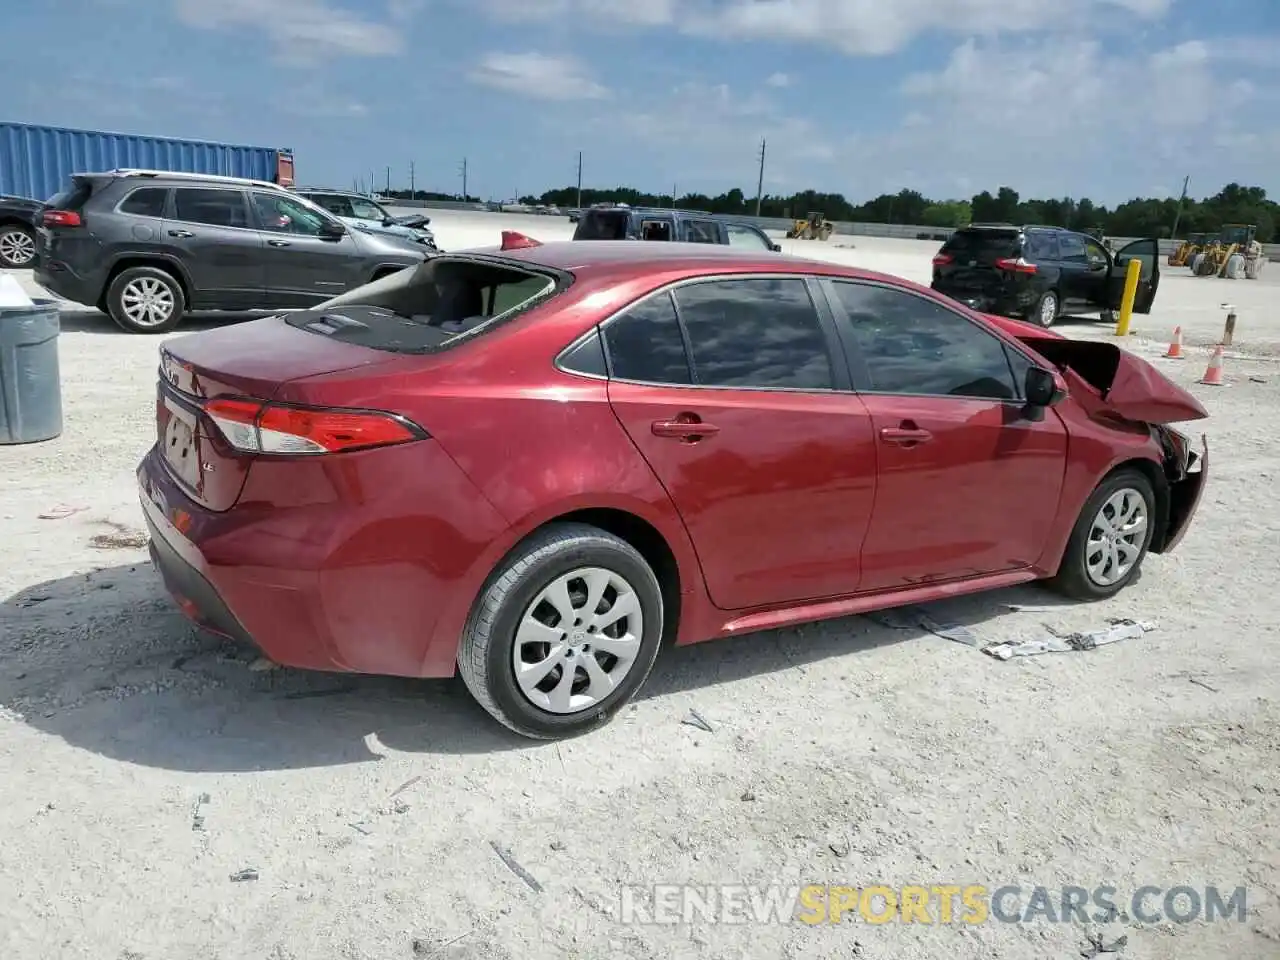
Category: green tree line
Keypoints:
(1140, 217)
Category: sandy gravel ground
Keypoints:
(142, 765)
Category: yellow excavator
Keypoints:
(1233, 254)
(1188, 248)
(815, 227)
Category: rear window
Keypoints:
(429, 308)
(983, 244)
(603, 225)
(74, 196)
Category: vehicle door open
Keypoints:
(1146, 252)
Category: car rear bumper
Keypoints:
(59, 279)
(316, 570)
(1004, 304)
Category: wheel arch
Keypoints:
(1154, 473)
(129, 261)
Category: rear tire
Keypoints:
(1101, 559)
(1046, 310)
(145, 300)
(585, 668)
(17, 247)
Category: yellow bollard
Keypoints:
(1131, 274)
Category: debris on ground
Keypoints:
(248, 873)
(1200, 683)
(405, 786)
(360, 828)
(514, 866)
(61, 512)
(421, 948)
(263, 665)
(1098, 945)
(909, 618)
(694, 719)
(197, 814)
(124, 538)
(839, 847)
(747, 796)
(1120, 628)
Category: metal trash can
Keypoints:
(30, 383)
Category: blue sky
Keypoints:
(1100, 98)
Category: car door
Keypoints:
(966, 484)
(1079, 277)
(749, 238)
(303, 265)
(211, 235)
(734, 391)
(1147, 253)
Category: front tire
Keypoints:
(564, 633)
(1110, 538)
(145, 300)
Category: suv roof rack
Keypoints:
(184, 175)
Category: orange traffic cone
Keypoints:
(1175, 346)
(1213, 373)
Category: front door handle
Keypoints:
(277, 243)
(905, 436)
(184, 234)
(687, 429)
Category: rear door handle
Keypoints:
(277, 243)
(684, 429)
(184, 234)
(905, 437)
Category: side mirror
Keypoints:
(1042, 390)
(388, 220)
(777, 248)
(332, 230)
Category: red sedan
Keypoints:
(534, 463)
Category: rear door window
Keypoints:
(216, 208)
(983, 246)
(1041, 245)
(146, 202)
(757, 332)
(701, 231)
(645, 344)
(1071, 248)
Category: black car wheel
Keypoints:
(1046, 310)
(564, 633)
(145, 300)
(1110, 538)
(17, 247)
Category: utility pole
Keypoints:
(579, 179)
(464, 179)
(373, 183)
(387, 192)
(760, 181)
(413, 186)
(674, 187)
(1181, 200)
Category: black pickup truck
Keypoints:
(656, 223)
(18, 231)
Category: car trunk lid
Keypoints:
(1110, 383)
(251, 360)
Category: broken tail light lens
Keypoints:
(252, 426)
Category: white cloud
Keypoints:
(538, 76)
(641, 13)
(778, 80)
(303, 31)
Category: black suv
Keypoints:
(18, 218)
(656, 223)
(147, 246)
(1040, 273)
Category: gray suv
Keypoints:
(148, 246)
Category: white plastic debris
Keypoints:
(1119, 629)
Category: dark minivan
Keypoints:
(1039, 273)
(682, 226)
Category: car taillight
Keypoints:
(1015, 265)
(61, 218)
(252, 426)
(942, 259)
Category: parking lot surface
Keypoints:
(144, 765)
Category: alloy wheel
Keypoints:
(1048, 310)
(17, 248)
(578, 640)
(1116, 537)
(147, 302)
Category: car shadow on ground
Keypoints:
(106, 663)
(93, 321)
